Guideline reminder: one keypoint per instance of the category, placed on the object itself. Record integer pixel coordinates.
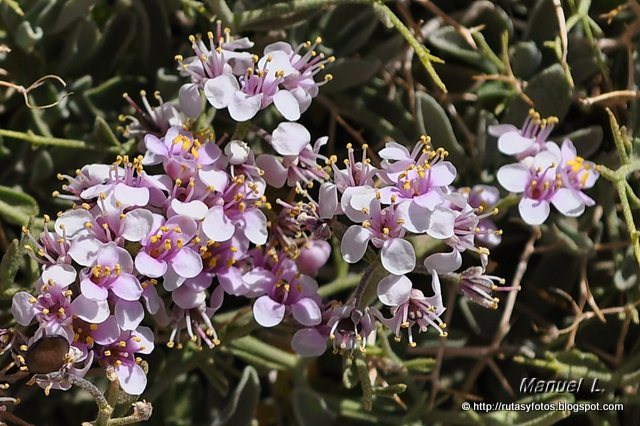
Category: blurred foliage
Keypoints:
(576, 315)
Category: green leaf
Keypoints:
(542, 24)
(42, 166)
(350, 72)
(627, 273)
(350, 378)
(241, 407)
(10, 264)
(433, 121)
(16, 207)
(420, 365)
(550, 93)
(525, 58)
(348, 28)
(73, 11)
(390, 391)
(310, 409)
(365, 383)
(453, 46)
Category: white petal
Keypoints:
(287, 104)
(354, 243)
(290, 138)
(243, 107)
(195, 209)
(514, 177)
(398, 256)
(567, 202)
(533, 212)
(137, 224)
(394, 290)
(220, 90)
(441, 223)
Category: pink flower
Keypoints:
(384, 228)
(538, 180)
(167, 253)
(350, 327)
(283, 289)
(409, 307)
(53, 307)
(299, 162)
(121, 356)
(525, 142)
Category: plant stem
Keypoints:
(423, 53)
(34, 139)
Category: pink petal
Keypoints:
(512, 143)
(129, 314)
(443, 174)
(306, 312)
(187, 263)
(217, 226)
(21, 309)
(514, 177)
(131, 196)
(398, 256)
(243, 107)
(567, 202)
(60, 275)
(309, 342)
(107, 331)
(267, 312)
(149, 266)
(287, 104)
(195, 209)
(327, 200)
(84, 249)
(274, 172)
(187, 298)
(137, 224)
(72, 223)
(533, 212)
(354, 243)
(255, 226)
(131, 378)
(127, 287)
(443, 263)
(220, 90)
(90, 310)
(441, 223)
(190, 100)
(290, 138)
(394, 290)
(93, 291)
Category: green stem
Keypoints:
(34, 139)
(249, 18)
(240, 133)
(617, 138)
(222, 11)
(254, 349)
(423, 53)
(339, 284)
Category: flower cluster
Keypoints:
(545, 172)
(152, 244)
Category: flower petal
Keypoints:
(441, 223)
(187, 263)
(190, 100)
(274, 172)
(394, 290)
(129, 314)
(131, 378)
(127, 287)
(306, 312)
(443, 263)
(243, 107)
(268, 312)
(137, 224)
(533, 212)
(255, 226)
(195, 209)
(309, 342)
(90, 310)
(61, 275)
(217, 226)
(354, 243)
(220, 90)
(290, 138)
(150, 266)
(287, 104)
(514, 177)
(397, 256)
(567, 202)
(22, 309)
